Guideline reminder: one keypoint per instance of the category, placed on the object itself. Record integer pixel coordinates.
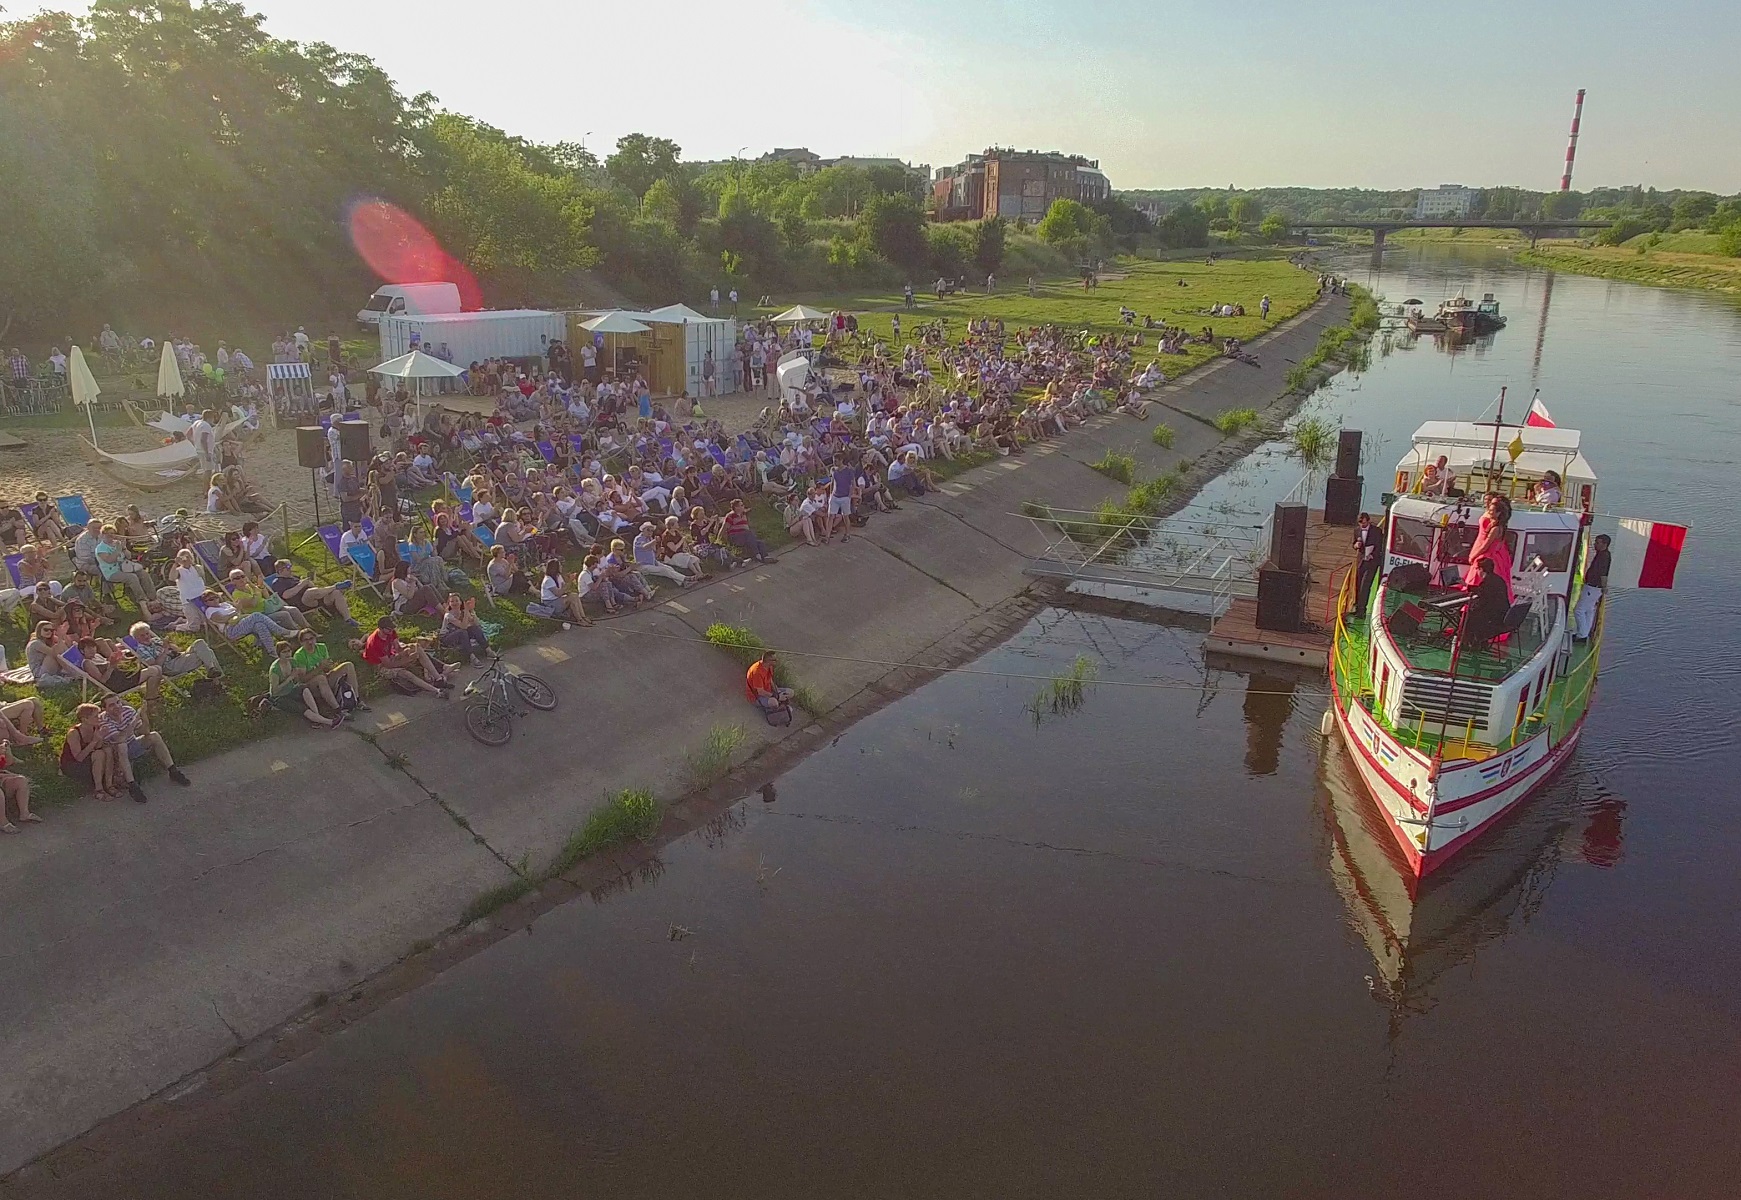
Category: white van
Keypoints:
(409, 299)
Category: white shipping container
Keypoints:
(475, 336)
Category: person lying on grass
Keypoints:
(404, 666)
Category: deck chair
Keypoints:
(458, 490)
(329, 536)
(577, 443)
(547, 450)
(207, 552)
(12, 564)
(73, 510)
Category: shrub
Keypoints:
(632, 815)
(1148, 498)
(1114, 465)
(1313, 440)
(1162, 436)
(1236, 421)
(714, 758)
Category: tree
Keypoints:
(641, 160)
(1693, 208)
(1245, 211)
(1274, 227)
(988, 244)
(1066, 222)
(1187, 225)
(661, 203)
(1213, 206)
(1562, 206)
(894, 225)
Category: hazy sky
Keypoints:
(1164, 94)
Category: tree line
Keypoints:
(163, 158)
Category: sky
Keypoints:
(1330, 93)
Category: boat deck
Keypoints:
(1329, 550)
(1430, 649)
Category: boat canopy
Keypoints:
(1467, 447)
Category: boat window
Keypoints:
(1454, 545)
(1554, 547)
(1410, 538)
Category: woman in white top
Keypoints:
(190, 585)
(217, 500)
(561, 603)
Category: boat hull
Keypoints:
(1433, 820)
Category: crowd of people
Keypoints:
(580, 494)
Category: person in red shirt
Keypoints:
(759, 685)
(739, 534)
(400, 663)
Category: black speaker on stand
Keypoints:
(311, 453)
(354, 444)
(1281, 600)
(1342, 499)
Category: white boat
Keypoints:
(1449, 736)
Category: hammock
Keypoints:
(168, 464)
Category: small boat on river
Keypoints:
(1463, 317)
(1451, 723)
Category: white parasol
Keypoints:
(169, 384)
(801, 312)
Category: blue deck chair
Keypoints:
(207, 551)
(29, 512)
(577, 443)
(719, 457)
(73, 510)
(12, 563)
(329, 535)
(547, 450)
(459, 491)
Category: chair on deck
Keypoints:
(360, 565)
(73, 510)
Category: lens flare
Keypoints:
(400, 250)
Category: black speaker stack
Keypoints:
(1281, 582)
(311, 447)
(1342, 490)
(354, 442)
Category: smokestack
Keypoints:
(1572, 143)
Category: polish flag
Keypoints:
(1538, 415)
(1646, 553)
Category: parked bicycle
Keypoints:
(493, 701)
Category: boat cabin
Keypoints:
(1471, 467)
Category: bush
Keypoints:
(632, 815)
(1162, 436)
(1236, 421)
(1623, 230)
(1113, 465)
(1313, 440)
(1149, 498)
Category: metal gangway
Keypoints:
(1195, 560)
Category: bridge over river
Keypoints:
(1532, 227)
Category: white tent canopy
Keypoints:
(679, 312)
(801, 312)
(614, 322)
(418, 365)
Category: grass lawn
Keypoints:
(1151, 288)
(1637, 263)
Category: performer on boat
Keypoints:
(1490, 543)
(1595, 583)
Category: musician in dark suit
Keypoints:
(1486, 616)
(1368, 553)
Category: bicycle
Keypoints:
(490, 711)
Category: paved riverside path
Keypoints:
(140, 943)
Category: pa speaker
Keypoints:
(1348, 453)
(1287, 549)
(1411, 578)
(311, 447)
(354, 441)
(1281, 600)
(1342, 499)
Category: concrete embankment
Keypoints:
(141, 944)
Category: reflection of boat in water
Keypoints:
(1419, 929)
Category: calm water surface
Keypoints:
(1153, 948)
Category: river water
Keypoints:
(1154, 947)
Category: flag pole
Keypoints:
(1493, 463)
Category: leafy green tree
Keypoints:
(1562, 206)
(1213, 206)
(951, 246)
(1274, 227)
(1693, 208)
(988, 244)
(662, 203)
(640, 160)
(1066, 222)
(1245, 211)
(1186, 225)
(894, 225)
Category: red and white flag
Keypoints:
(1538, 415)
(1646, 554)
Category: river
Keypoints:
(1154, 947)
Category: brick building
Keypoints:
(1018, 185)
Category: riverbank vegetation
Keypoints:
(1641, 263)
